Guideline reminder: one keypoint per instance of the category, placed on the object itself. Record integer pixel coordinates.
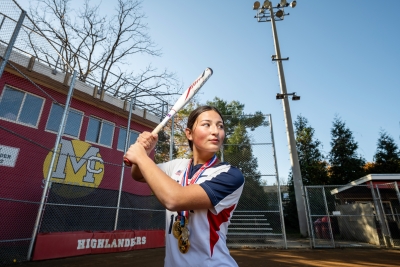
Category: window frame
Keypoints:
(100, 131)
(21, 106)
(131, 131)
(64, 134)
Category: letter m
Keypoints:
(67, 152)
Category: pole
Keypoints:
(50, 170)
(121, 178)
(171, 142)
(12, 41)
(278, 182)
(294, 160)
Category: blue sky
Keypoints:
(344, 61)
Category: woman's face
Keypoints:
(208, 132)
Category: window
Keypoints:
(73, 124)
(100, 131)
(19, 106)
(122, 137)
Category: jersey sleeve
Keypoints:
(224, 189)
(174, 167)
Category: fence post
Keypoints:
(50, 170)
(384, 217)
(310, 223)
(171, 142)
(7, 53)
(121, 179)
(277, 181)
(329, 217)
(378, 213)
(396, 187)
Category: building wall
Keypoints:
(25, 180)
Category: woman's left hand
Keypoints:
(145, 143)
(148, 141)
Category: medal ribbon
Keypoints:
(195, 177)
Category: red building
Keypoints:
(90, 153)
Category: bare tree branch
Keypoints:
(102, 48)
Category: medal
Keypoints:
(185, 234)
(183, 245)
(176, 229)
(179, 228)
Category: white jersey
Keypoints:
(223, 184)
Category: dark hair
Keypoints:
(196, 113)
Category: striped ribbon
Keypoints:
(195, 177)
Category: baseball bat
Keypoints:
(182, 101)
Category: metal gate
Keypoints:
(354, 216)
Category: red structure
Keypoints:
(90, 153)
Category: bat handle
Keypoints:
(127, 162)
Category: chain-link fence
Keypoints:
(61, 149)
(258, 218)
(354, 216)
(84, 186)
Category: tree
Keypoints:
(345, 164)
(312, 165)
(238, 151)
(237, 148)
(162, 149)
(387, 155)
(101, 47)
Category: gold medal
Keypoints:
(176, 229)
(184, 233)
(183, 245)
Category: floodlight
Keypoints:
(295, 97)
(266, 4)
(283, 3)
(256, 5)
(293, 4)
(279, 13)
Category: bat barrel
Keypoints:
(182, 101)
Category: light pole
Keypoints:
(294, 159)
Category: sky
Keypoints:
(343, 61)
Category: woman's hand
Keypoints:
(148, 141)
(145, 143)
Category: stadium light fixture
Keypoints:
(282, 96)
(279, 13)
(273, 16)
(295, 97)
(283, 3)
(256, 5)
(266, 4)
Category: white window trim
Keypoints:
(23, 101)
(131, 131)
(101, 127)
(67, 135)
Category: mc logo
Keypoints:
(76, 163)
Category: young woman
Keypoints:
(200, 194)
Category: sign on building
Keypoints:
(8, 155)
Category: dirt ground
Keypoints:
(244, 257)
